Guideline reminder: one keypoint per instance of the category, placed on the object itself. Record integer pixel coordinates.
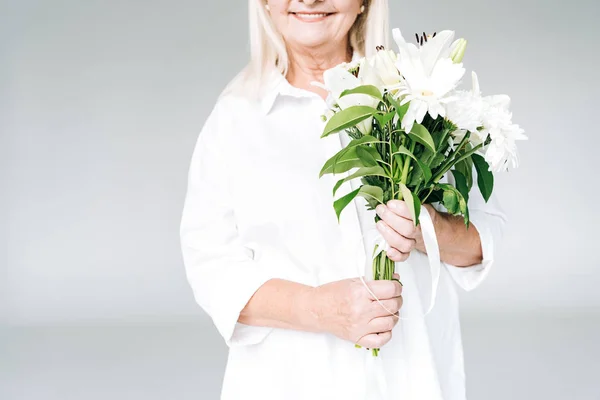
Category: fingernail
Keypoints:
(380, 226)
(380, 209)
(391, 204)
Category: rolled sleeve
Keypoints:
(223, 270)
(489, 220)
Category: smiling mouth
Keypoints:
(311, 16)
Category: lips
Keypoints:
(311, 16)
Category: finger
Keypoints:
(396, 276)
(384, 289)
(384, 308)
(394, 239)
(375, 340)
(395, 255)
(400, 224)
(400, 208)
(381, 324)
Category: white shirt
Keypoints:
(256, 209)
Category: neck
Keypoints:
(308, 65)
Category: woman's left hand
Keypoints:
(398, 229)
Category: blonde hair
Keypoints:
(268, 52)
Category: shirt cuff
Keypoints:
(468, 278)
(242, 287)
(226, 319)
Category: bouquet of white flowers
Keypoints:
(410, 125)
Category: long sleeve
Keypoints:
(489, 220)
(222, 270)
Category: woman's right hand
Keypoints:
(347, 310)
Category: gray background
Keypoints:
(100, 106)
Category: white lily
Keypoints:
(429, 74)
(338, 79)
(384, 64)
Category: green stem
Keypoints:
(407, 161)
(444, 138)
(458, 149)
(383, 269)
(389, 142)
(449, 164)
(428, 194)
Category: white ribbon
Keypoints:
(433, 254)
(375, 364)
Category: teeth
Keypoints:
(308, 16)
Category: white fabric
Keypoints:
(256, 209)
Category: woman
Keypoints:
(266, 257)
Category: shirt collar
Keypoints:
(279, 86)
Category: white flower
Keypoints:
(384, 64)
(465, 110)
(483, 116)
(429, 74)
(338, 79)
(496, 120)
(501, 153)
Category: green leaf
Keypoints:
(344, 165)
(462, 204)
(377, 170)
(364, 139)
(400, 109)
(384, 119)
(342, 154)
(465, 167)
(369, 90)
(367, 191)
(423, 167)
(346, 159)
(365, 156)
(465, 213)
(371, 192)
(342, 202)
(437, 160)
(485, 178)
(422, 135)
(414, 205)
(461, 184)
(374, 180)
(347, 118)
(451, 201)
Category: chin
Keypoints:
(311, 40)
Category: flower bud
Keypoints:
(384, 63)
(457, 50)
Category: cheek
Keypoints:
(350, 8)
(281, 22)
(346, 23)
